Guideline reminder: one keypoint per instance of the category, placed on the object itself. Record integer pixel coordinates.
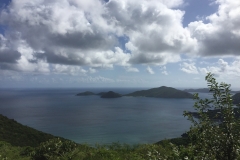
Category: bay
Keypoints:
(92, 120)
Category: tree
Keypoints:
(215, 134)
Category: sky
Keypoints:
(118, 43)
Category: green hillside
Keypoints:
(161, 92)
(19, 135)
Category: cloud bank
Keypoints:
(62, 36)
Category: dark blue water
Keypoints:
(91, 119)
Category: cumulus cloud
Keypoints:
(65, 36)
(86, 33)
(221, 35)
(189, 68)
(155, 32)
(223, 68)
(63, 32)
(150, 70)
(65, 69)
(9, 56)
(98, 79)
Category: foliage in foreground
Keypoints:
(19, 135)
(67, 150)
(9, 152)
(211, 139)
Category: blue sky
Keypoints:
(118, 43)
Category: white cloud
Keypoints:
(131, 69)
(172, 3)
(63, 36)
(164, 70)
(221, 36)
(98, 79)
(224, 69)
(65, 69)
(65, 32)
(189, 68)
(92, 70)
(149, 70)
(203, 70)
(155, 32)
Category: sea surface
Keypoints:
(94, 120)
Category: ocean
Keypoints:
(94, 120)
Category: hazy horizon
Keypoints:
(118, 43)
(103, 88)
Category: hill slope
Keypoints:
(204, 90)
(236, 98)
(19, 135)
(161, 92)
(111, 94)
(87, 93)
(200, 90)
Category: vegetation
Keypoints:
(211, 139)
(162, 92)
(66, 150)
(19, 135)
(9, 152)
(111, 94)
(212, 114)
(207, 139)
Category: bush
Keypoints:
(54, 149)
(216, 136)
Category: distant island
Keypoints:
(87, 93)
(204, 90)
(111, 94)
(161, 92)
(101, 93)
(199, 90)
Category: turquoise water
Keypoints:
(94, 120)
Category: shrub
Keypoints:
(54, 149)
(216, 136)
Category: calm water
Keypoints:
(92, 120)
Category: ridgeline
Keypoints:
(161, 92)
(19, 135)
